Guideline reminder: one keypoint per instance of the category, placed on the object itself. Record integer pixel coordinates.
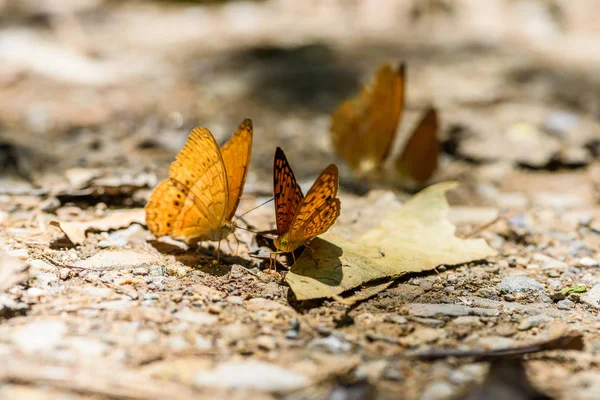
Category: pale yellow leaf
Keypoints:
(418, 237)
(117, 219)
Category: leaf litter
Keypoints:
(417, 238)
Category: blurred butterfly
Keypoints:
(301, 218)
(363, 129)
(199, 199)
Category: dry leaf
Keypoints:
(12, 271)
(117, 219)
(418, 237)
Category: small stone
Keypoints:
(591, 298)
(565, 304)
(440, 390)
(235, 300)
(266, 342)
(177, 343)
(331, 343)
(196, 317)
(467, 320)
(587, 262)
(555, 284)
(292, 334)
(505, 330)
(396, 319)
(432, 322)
(64, 273)
(533, 321)
(575, 297)
(155, 270)
(251, 375)
(549, 262)
(519, 284)
(140, 271)
(21, 254)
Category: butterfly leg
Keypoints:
(294, 257)
(219, 252)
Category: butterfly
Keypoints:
(363, 129)
(199, 199)
(301, 218)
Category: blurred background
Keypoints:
(101, 89)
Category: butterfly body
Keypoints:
(301, 218)
(199, 199)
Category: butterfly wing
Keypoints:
(419, 159)
(236, 157)
(319, 209)
(191, 203)
(286, 191)
(363, 128)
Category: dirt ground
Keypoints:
(96, 98)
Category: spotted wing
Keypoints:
(419, 159)
(236, 157)
(363, 128)
(191, 204)
(286, 191)
(319, 209)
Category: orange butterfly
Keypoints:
(198, 200)
(299, 218)
(363, 129)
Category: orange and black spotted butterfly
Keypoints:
(199, 199)
(363, 129)
(301, 218)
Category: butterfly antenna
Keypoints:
(250, 230)
(254, 208)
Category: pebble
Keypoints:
(432, 322)
(439, 390)
(177, 343)
(251, 375)
(592, 297)
(64, 273)
(466, 374)
(555, 283)
(266, 342)
(565, 304)
(533, 321)
(519, 284)
(549, 262)
(140, 271)
(587, 262)
(196, 317)
(235, 300)
(396, 319)
(487, 292)
(45, 278)
(21, 254)
(467, 320)
(292, 334)
(155, 270)
(332, 343)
